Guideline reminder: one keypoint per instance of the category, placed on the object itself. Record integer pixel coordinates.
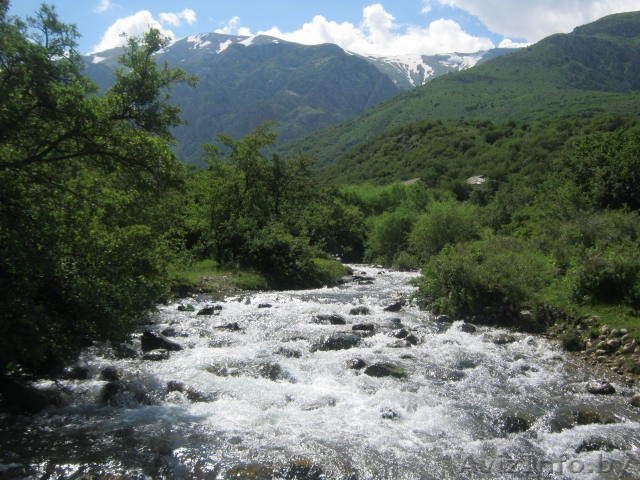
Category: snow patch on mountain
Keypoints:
(224, 45)
(198, 41)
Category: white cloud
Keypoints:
(133, 26)
(175, 19)
(508, 43)
(233, 28)
(377, 34)
(103, 6)
(534, 20)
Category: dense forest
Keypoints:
(99, 220)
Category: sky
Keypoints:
(386, 27)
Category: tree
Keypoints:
(82, 179)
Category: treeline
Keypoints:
(96, 211)
(556, 226)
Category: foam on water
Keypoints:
(243, 401)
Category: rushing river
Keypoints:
(263, 399)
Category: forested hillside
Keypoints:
(592, 70)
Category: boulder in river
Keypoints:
(402, 333)
(604, 388)
(385, 370)
(109, 374)
(356, 364)
(467, 328)
(339, 341)
(19, 397)
(514, 424)
(230, 327)
(390, 414)
(595, 444)
(364, 327)
(210, 310)
(154, 341)
(288, 352)
(329, 319)
(360, 311)
(394, 307)
(156, 355)
(186, 308)
(635, 400)
(265, 305)
(412, 339)
(503, 339)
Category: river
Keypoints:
(266, 399)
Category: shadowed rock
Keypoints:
(339, 341)
(154, 341)
(385, 370)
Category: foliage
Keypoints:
(443, 224)
(389, 235)
(84, 240)
(489, 280)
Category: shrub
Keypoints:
(388, 235)
(445, 223)
(490, 280)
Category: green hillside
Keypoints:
(595, 69)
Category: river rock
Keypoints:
(465, 364)
(191, 394)
(402, 333)
(468, 328)
(329, 319)
(395, 324)
(230, 327)
(109, 374)
(300, 469)
(154, 341)
(156, 355)
(251, 471)
(123, 351)
(365, 327)
(595, 444)
(389, 414)
(210, 310)
(385, 370)
(360, 311)
(169, 332)
(289, 352)
(356, 364)
(635, 400)
(603, 388)
(110, 391)
(504, 339)
(514, 424)
(186, 308)
(412, 339)
(339, 341)
(394, 307)
(444, 319)
(265, 305)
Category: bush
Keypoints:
(405, 261)
(610, 276)
(489, 280)
(445, 223)
(388, 235)
(285, 260)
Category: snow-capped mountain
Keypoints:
(245, 81)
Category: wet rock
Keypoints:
(356, 364)
(124, 352)
(269, 370)
(395, 324)
(603, 388)
(169, 332)
(365, 327)
(289, 352)
(389, 414)
(175, 386)
(77, 372)
(110, 391)
(230, 327)
(504, 339)
(265, 305)
(585, 416)
(339, 341)
(444, 319)
(360, 311)
(156, 355)
(394, 307)
(251, 471)
(363, 280)
(329, 319)
(300, 469)
(402, 333)
(595, 444)
(109, 374)
(154, 341)
(412, 339)
(399, 344)
(210, 310)
(465, 364)
(445, 375)
(514, 424)
(468, 328)
(186, 308)
(385, 370)
(19, 397)
(635, 400)
(191, 394)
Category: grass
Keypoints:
(207, 276)
(330, 271)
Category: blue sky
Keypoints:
(385, 27)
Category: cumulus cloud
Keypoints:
(535, 20)
(133, 26)
(377, 34)
(508, 43)
(233, 28)
(175, 19)
(103, 6)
